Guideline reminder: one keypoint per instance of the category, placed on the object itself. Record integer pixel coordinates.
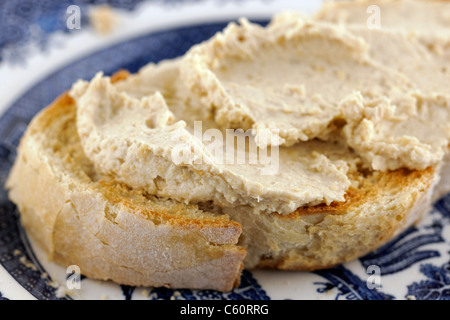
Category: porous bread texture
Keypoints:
(130, 237)
(320, 237)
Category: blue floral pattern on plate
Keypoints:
(397, 256)
(437, 285)
(249, 289)
(28, 21)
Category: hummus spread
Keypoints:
(412, 23)
(412, 39)
(389, 139)
(137, 138)
(313, 102)
(428, 18)
(292, 76)
(303, 77)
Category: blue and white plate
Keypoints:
(40, 58)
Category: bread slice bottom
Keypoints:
(321, 237)
(114, 233)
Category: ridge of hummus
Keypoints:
(413, 39)
(291, 75)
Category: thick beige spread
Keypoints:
(136, 137)
(426, 20)
(413, 38)
(322, 99)
(292, 75)
(425, 17)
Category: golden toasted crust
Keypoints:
(119, 193)
(368, 192)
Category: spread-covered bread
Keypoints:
(298, 145)
(139, 141)
(291, 76)
(314, 85)
(302, 77)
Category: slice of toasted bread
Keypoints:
(108, 230)
(130, 237)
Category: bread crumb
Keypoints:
(176, 295)
(103, 19)
(27, 263)
(146, 293)
(60, 292)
